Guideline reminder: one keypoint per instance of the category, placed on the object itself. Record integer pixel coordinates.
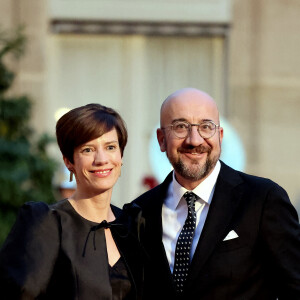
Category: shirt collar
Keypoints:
(204, 190)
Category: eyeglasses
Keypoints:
(182, 129)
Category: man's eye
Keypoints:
(206, 126)
(180, 126)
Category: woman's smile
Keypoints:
(102, 173)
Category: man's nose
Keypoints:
(194, 138)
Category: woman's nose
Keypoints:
(101, 157)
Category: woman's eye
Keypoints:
(87, 150)
(111, 147)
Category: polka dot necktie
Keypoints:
(184, 243)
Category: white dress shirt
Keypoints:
(174, 212)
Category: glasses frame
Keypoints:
(190, 125)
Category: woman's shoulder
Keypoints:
(43, 209)
(34, 209)
(60, 205)
(35, 221)
(35, 213)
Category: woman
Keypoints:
(81, 247)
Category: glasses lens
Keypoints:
(207, 129)
(181, 129)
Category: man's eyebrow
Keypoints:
(179, 120)
(185, 120)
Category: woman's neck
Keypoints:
(96, 208)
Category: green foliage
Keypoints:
(26, 171)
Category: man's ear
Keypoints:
(221, 134)
(161, 139)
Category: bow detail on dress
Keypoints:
(104, 224)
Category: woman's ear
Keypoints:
(68, 164)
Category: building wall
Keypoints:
(264, 85)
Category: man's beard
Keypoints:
(194, 171)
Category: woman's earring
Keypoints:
(71, 176)
(121, 169)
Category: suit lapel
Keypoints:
(223, 205)
(154, 232)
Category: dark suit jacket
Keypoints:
(262, 263)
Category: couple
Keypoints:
(206, 232)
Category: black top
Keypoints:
(119, 280)
(54, 253)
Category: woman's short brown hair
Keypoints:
(85, 123)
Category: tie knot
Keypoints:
(190, 198)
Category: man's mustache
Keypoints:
(191, 149)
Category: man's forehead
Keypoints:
(189, 108)
(184, 120)
(191, 104)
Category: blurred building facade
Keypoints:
(131, 54)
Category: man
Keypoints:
(236, 236)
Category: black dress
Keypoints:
(54, 253)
